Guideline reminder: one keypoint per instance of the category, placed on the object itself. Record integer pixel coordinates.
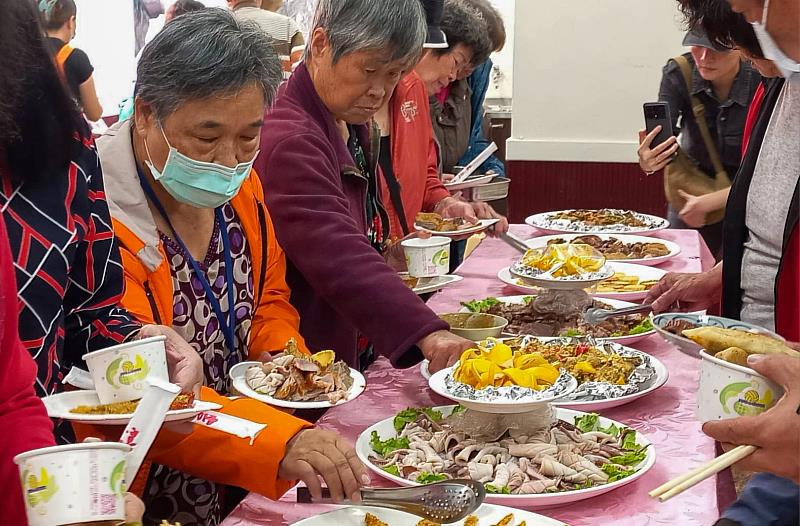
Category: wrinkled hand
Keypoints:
(694, 210)
(485, 211)
(315, 452)
(446, 178)
(454, 207)
(686, 292)
(443, 349)
(184, 363)
(655, 159)
(776, 431)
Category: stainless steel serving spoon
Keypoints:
(441, 502)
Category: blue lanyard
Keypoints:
(226, 328)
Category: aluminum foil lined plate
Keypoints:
(674, 248)
(596, 396)
(592, 396)
(540, 278)
(545, 222)
(504, 400)
(385, 430)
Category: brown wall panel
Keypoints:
(541, 186)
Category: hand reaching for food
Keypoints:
(443, 349)
(184, 363)
(313, 453)
(776, 431)
(485, 211)
(453, 207)
(686, 292)
(694, 210)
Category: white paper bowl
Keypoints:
(119, 372)
(426, 258)
(74, 484)
(728, 390)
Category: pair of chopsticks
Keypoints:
(687, 480)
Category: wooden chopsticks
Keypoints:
(687, 480)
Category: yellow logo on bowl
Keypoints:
(746, 398)
(127, 371)
(38, 490)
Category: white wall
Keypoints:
(582, 69)
(502, 88)
(105, 33)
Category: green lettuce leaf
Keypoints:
(384, 447)
(497, 491)
(428, 478)
(587, 422)
(392, 470)
(480, 305)
(631, 458)
(645, 326)
(616, 472)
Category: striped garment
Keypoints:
(281, 29)
(68, 268)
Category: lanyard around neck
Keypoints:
(227, 327)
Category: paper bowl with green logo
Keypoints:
(427, 258)
(119, 372)
(74, 484)
(728, 390)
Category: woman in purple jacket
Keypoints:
(318, 162)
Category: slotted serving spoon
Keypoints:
(595, 316)
(441, 502)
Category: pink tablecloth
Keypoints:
(665, 416)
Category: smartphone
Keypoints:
(657, 113)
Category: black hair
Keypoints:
(55, 13)
(181, 7)
(724, 27)
(464, 24)
(38, 119)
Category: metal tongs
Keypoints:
(594, 316)
(514, 241)
(441, 502)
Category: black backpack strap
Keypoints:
(397, 200)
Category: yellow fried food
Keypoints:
(472, 520)
(568, 259)
(324, 358)
(500, 366)
(621, 282)
(372, 520)
(716, 339)
(733, 355)
(505, 521)
(426, 522)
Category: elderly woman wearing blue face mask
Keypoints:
(200, 255)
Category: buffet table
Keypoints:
(666, 416)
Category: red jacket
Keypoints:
(414, 158)
(23, 419)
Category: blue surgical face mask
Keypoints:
(198, 183)
(785, 64)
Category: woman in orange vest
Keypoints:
(200, 255)
(58, 20)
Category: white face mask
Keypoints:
(785, 64)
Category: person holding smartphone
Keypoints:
(725, 84)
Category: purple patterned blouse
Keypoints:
(171, 494)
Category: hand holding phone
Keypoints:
(658, 144)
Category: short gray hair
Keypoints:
(202, 54)
(396, 26)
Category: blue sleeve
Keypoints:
(479, 83)
(767, 500)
